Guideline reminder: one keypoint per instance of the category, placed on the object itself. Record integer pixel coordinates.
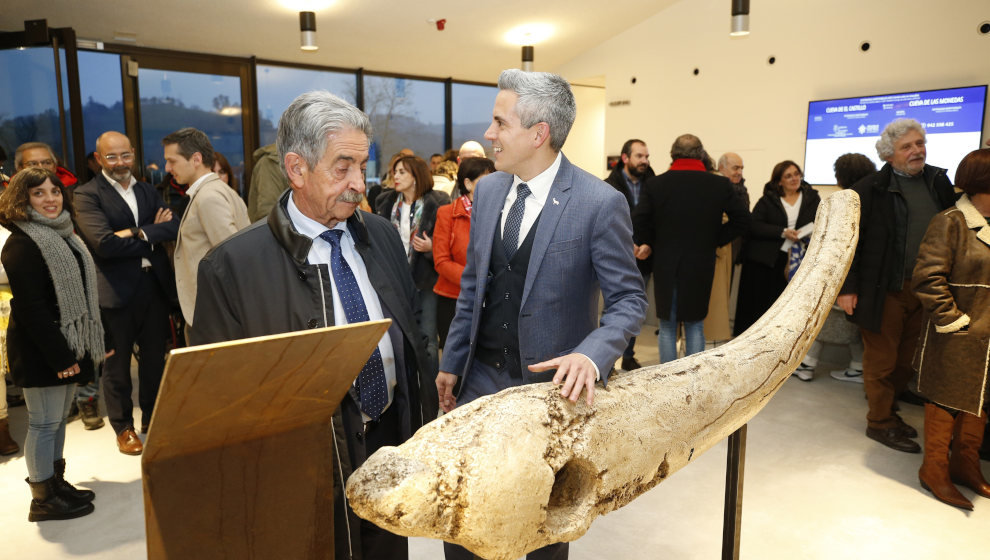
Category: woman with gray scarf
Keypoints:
(55, 338)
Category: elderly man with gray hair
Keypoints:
(898, 201)
(318, 261)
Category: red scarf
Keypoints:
(687, 164)
(467, 204)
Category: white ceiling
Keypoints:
(378, 35)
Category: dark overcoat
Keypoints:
(679, 216)
(259, 282)
(878, 266)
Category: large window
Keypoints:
(102, 95)
(172, 100)
(278, 86)
(405, 113)
(29, 102)
(471, 113)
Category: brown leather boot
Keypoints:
(934, 472)
(964, 464)
(7, 444)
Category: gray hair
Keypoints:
(312, 117)
(724, 160)
(688, 146)
(19, 152)
(543, 97)
(894, 131)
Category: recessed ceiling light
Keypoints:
(306, 5)
(529, 33)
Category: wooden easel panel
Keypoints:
(238, 459)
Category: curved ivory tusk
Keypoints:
(524, 468)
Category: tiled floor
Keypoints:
(815, 488)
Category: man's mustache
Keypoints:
(350, 196)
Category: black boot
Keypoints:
(7, 444)
(68, 491)
(48, 504)
(90, 411)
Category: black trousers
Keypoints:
(144, 321)
(376, 543)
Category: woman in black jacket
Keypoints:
(412, 208)
(55, 338)
(788, 204)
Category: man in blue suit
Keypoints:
(124, 222)
(546, 239)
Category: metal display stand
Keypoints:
(732, 517)
(238, 461)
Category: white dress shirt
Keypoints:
(539, 188)
(319, 253)
(127, 193)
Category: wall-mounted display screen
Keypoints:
(953, 120)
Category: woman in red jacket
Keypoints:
(450, 239)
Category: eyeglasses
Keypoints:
(40, 163)
(114, 158)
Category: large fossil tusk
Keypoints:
(524, 468)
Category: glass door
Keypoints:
(39, 95)
(210, 94)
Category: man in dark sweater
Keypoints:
(628, 177)
(897, 203)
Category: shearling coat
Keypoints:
(952, 280)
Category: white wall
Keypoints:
(739, 102)
(585, 146)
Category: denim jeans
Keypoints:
(694, 335)
(91, 390)
(47, 408)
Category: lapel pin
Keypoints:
(555, 202)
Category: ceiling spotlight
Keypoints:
(527, 58)
(740, 18)
(307, 27)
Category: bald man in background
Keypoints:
(124, 222)
(470, 149)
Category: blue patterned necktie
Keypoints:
(510, 233)
(372, 389)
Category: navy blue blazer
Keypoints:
(100, 211)
(583, 247)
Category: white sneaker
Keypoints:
(848, 374)
(804, 372)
